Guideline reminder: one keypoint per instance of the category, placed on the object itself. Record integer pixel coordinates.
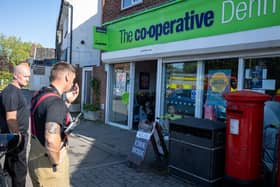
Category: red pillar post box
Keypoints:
(244, 136)
(277, 98)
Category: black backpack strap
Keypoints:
(35, 105)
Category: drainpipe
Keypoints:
(71, 33)
(58, 51)
(71, 28)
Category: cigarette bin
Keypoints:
(197, 151)
(244, 128)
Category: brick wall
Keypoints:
(112, 8)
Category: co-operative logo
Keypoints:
(190, 21)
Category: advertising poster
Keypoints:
(257, 76)
(120, 87)
(218, 84)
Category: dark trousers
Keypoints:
(16, 164)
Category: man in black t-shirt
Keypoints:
(48, 158)
(14, 110)
(52, 108)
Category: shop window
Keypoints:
(120, 94)
(220, 78)
(130, 3)
(180, 91)
(262, 75)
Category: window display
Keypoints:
(262, 75)
(221, 78)
(180, 88)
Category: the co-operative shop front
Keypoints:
(178, 59)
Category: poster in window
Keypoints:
(257, 76)
(144, 80)
(218, 84)
(120, 86)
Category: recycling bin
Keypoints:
(244, 127)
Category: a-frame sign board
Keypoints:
(141, 142)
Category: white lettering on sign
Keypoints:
(140, 144)
(138, 151)
(245, 9)
(143, 135)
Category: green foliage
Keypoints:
(91, 107)
(5, 79)
(6, 75)
(14, 49)
(95, 86)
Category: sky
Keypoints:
(30, 20)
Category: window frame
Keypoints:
(133, 3)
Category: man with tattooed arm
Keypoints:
(48, 158)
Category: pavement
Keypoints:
(98, 156)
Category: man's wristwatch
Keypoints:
(64, 98)
(54, 167)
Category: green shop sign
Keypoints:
(186, 19)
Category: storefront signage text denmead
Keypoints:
(244, 9)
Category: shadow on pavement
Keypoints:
(98, 156)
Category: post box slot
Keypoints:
(238, 112)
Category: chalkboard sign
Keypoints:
(139, 147)
(141, 143)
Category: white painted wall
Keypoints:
(38, 81)
(86, 14)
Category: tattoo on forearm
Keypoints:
(52, 128)
(13, 125)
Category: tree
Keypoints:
(12, 52)
(14, 49)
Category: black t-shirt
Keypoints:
(52, 109)
(12, 99)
